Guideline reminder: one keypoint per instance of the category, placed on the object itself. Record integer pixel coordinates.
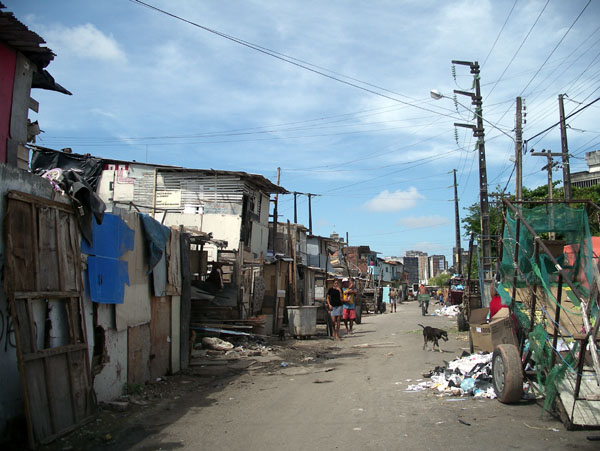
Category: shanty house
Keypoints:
(23, 60)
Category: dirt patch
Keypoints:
(148, 408)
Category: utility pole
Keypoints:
(519, 152)
(564, 149)
(478, 132)
(457, 227)
(549, 166)
(295, 209)
(275, 216)
(310, 213)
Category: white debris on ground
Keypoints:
(447, 310)
(470, 375)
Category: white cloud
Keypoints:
(415, 222)
(394, 201)
(85, 41)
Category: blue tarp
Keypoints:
(156, 236)
(107, 275)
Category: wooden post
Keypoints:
(292, 240)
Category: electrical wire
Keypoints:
(499, 33)
(297, 62)
(556, 46)
(518, 50)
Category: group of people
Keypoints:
(340, 303)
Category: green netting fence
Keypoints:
(572, 249)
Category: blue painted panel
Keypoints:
(111, 239)
(106, 277)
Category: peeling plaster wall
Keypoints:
(109, 382)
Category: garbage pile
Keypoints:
(469, 375)
(447, 310)
(212, 347)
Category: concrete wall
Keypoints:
(11, 401)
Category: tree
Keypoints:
(439, 280)
(471, 222)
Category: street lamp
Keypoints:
(435, 94)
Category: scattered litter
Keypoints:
(321, 382)
(456, 399)
(554, 430)
(216, 344)
(440, 422)
(464, 422)
(397, 383)
(447, 310)
(469, 375)
(357, 429)
(283, 364)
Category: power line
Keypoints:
(556, 46)
(566, 117)
(499, 33)
(296, 62)
(519, 49)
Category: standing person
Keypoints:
(393, 296)
(334, 304)
(423, 299)
(349, 307)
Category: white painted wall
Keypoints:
(109, 383)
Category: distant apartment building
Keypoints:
(437, 265)
(465, 259)
(591, 177)
(423, 264)
(411, 269)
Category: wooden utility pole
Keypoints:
(295, 209)
(310, 213)
(564, 149)
(292, 245)
(549, 167)
(519, 152)
(457, 227)
(275, 216)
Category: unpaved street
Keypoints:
(348, 395)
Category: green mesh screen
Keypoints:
(573, 251)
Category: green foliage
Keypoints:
(439, 280)
(471, 221)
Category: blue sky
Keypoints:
(149, 87)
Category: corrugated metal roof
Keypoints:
(256, 179)
(17, 35)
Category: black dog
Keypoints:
(281, 334)
(433, 334)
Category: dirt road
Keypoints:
(346, 395)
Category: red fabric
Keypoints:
(495, 305)
(8, 59)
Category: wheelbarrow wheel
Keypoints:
(507, 373)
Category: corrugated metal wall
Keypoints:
(181, 189)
